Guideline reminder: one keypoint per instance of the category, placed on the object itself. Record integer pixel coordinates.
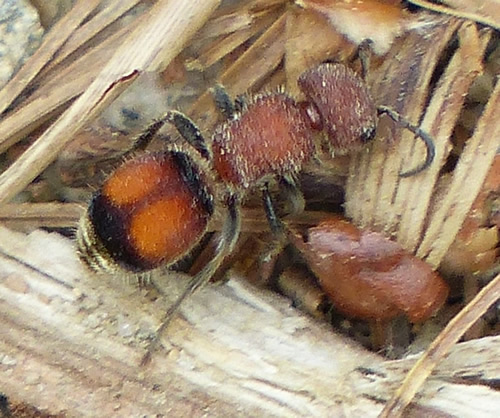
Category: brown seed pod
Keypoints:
(368, 276)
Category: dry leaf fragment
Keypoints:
(380, 21)
(368, 276)
(484, 11)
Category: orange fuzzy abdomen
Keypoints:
(270, 138)
(150, 212)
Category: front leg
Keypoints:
(184, 125)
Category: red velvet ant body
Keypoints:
(155, 208)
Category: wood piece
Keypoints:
(440, 348)
(235, 350)
(407, 208)
(477, 158)
(441, 115)
(71, 342)
(66, 215)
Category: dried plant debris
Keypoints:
(440, 348)
(438, 68)
(485, 12)
(475, 249)
(21, 34)
(125, 65)
(52, 11)
(367, 276)
(235, 348)
(403, 206)
(51, 43)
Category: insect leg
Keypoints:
(184, 125)
(229, 236)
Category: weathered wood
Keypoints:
(72, 342)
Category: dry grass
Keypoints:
(247, 46)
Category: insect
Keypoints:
(156, 207)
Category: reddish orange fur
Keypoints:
(135, 180)
(160, 214)
(270, 137)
